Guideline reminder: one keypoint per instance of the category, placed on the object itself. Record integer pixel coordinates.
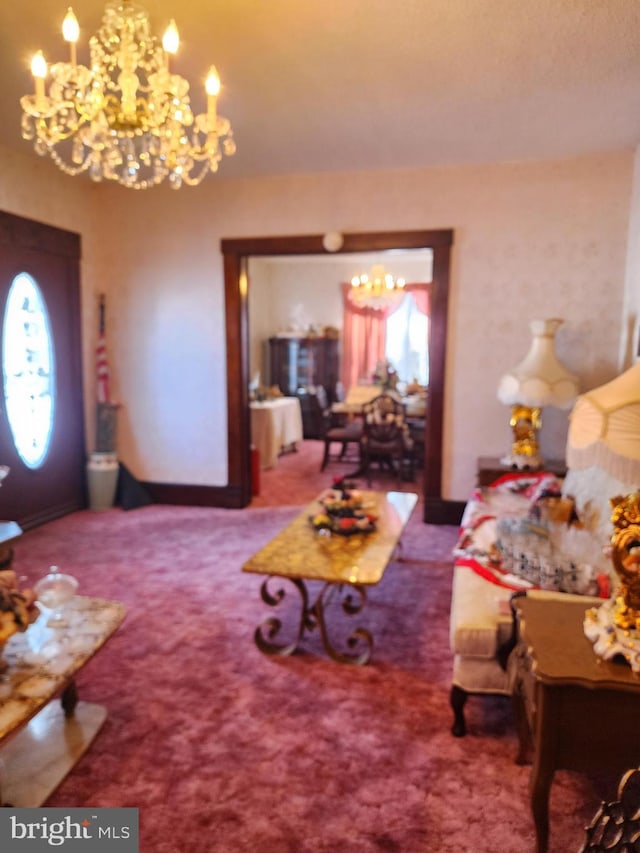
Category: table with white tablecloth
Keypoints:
(275, 425)
(414, 404)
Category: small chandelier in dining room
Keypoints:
(379, 290)
(126, 117)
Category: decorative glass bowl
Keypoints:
(54, 591)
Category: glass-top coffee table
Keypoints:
(344, 566)
(41, 740)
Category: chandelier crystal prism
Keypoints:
(378, 291)
(127, 117)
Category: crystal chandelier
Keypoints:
(127, 117)
(379, 290)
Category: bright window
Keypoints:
(28, 370)
(407, 346)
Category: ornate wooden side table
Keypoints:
(577, 711)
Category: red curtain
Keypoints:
(363, 340)
(364, 333)
(421, 294)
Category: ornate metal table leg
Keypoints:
(265, 634)
(69, 698)
(350, 606)
(314, 617)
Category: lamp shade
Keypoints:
(540, 379)
(604, 428)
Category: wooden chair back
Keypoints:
(615, 827)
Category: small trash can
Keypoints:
(102, 480)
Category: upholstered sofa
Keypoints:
(488, 569)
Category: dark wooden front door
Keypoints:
(51, 257)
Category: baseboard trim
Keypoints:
(436, 510)
(440, 511)
(225, 497)
(49, 514)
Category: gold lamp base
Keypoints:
(525, 423)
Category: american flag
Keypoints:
(102, 365)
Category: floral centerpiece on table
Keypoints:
(385, 375)
(343, 511)
(16, 606)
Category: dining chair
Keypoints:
(347, 434)
(385, 437)
(616, 826)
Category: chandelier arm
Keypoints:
(49, 138)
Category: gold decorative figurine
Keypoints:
(614, 626)
(525, 422)
(625, 555)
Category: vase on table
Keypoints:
(54, 591)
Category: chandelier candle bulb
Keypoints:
(170, 41)
(212, 88)
(71, 33)
(39, 71)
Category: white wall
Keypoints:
(630, 339)
(531, 240)
(285, 296)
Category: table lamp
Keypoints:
(539, 380)
(603, 449)
(604, 429)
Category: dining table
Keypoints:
(276, 426)
(356, 399)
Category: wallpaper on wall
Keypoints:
(531, 239)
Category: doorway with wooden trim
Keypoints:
(236, 253)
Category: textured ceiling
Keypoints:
(348, 85)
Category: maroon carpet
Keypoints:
(225, 749)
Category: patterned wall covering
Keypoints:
(535, 239)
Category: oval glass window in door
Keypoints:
(28, 370)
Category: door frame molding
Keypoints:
(236, 254)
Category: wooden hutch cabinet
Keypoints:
(302, 363)
(298, 366)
